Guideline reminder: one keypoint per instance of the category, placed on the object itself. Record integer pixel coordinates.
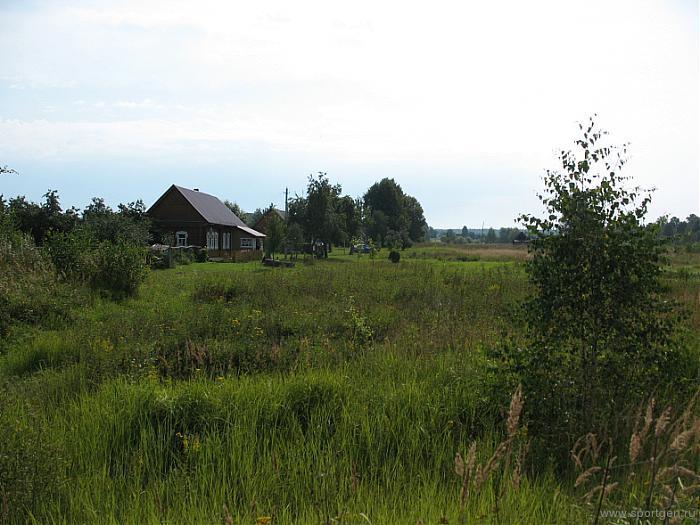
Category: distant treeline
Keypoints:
(384, 215)
(680, 232)
(467, 235)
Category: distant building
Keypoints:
(261, 224)
(521, 238)
(195, 218)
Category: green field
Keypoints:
(338, 391)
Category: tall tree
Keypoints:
(600, 331)
(234, 207)
(321, 218)
(490, 236)
(387, 207)
(276, 232)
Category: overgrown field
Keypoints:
(332, 392)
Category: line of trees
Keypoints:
(99, 246)
(492, 236)
(324, 216)
(679, 231)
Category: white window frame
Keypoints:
(212, 240)
(226, 241)
(181, 238)
(247, 242)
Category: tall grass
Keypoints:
(337, 392)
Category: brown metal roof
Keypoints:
(210, 208)
(213, 210)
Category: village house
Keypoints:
(194, 218)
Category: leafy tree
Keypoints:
(600, 335)
(388, 208)
(276, 231)
(449, 237)
(349, 212)
(490, 236)
(416, 220)
(507, 234)
(252, 218)
(321, 220)
(294, 237)
(465, 232)
(234, 207)
(129, 225)
(40, 220)
(678, 231)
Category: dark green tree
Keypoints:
(490, 236)
(600, 333)
(41, 220)
(235, 208)
(321, 220)
(276, 232)
(349, 213)
(387, 207)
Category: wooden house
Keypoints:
(194, 218)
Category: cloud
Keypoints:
(360, 83)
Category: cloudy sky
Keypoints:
(463, 103)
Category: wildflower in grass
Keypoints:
(263, 520)
(236, 323)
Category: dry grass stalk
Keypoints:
(483, 474)
(586, 446)
(662, 422)
(583, 477)
(683, 422)
(465, 470)
(598, 489)
(683, 438)
(677, 471)
(459, 464)
(517, 473)
(516, 408)
(228, 519)
(638, 437)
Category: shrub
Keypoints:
(600, 334)
(30, 291)
(118, 268)
(70, 253)
(201, 255)
(394, 256)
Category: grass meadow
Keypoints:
(338, 391)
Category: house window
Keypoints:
(212, 240)
(181, 239)
(226, 240)
(247, 242)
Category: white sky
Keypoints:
(463, 103)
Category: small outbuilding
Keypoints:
(521, 238)
(195, 218)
